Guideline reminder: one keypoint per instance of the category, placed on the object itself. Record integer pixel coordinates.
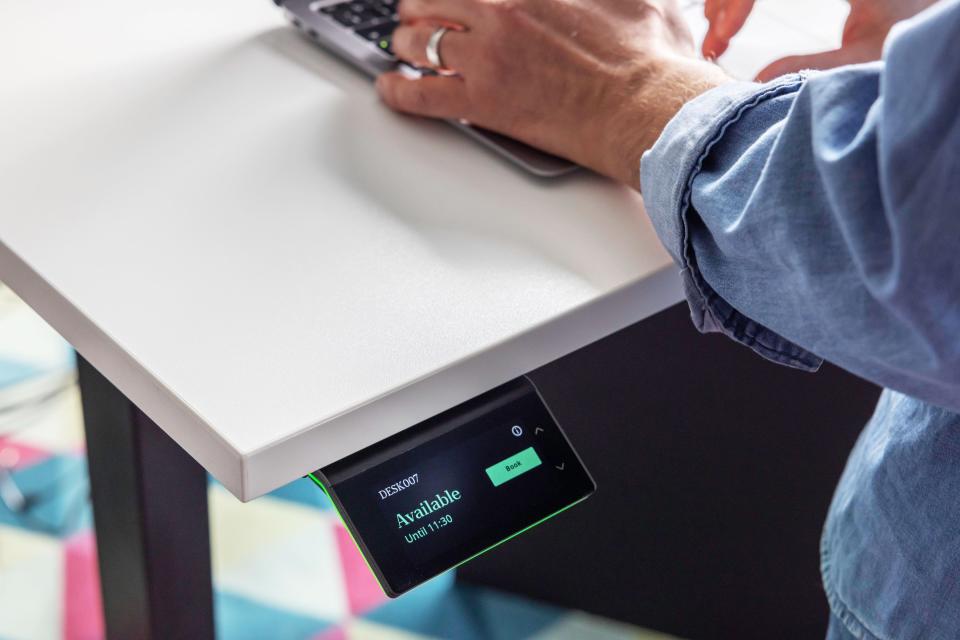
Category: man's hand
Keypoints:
(863, 34)
(594, 81)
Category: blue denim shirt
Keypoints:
(818, 217)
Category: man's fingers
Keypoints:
(710, 41)
(454, 11)
(410, 44)
(732, 17)
(713, 46)
(430, 96)
(726, 18)
(852, 54)
(711, 7)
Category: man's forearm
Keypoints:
(819, 216)
(651, 100)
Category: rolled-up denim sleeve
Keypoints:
(818, 216)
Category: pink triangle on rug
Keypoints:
(363, 591)
(83, 611)
(14, 455)
(333, 633)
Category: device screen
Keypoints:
(448, 489)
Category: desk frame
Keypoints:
(152, 527)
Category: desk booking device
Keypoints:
(361, 33)
(446, 490)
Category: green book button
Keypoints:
(515, 465)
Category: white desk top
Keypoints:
(225, 221)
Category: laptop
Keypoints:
(359, 31)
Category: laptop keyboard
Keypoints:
(375, 20)
(372, 20)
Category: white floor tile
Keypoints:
(31, 586)
(281, 554)
(579, 626)
(366, 630)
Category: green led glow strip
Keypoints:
(349, 532)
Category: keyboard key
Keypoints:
(377, 32)
(366, 18)
(373, 20)
(345, 16)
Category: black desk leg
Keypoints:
(150, 512)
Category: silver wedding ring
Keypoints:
(433, 48)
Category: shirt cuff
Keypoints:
(667, 173)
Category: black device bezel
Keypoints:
(475, 418)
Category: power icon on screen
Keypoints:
(516, 430)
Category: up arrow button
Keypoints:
(537, 431)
